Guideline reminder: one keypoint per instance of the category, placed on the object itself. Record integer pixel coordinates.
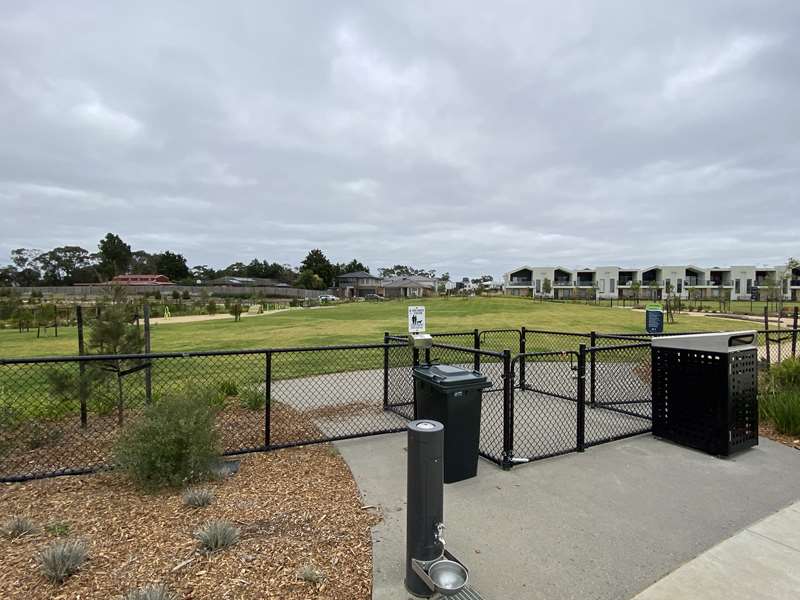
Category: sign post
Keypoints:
(654, 318)
(416, 319)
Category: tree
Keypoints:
(547, 286)
(352, 267)
(143, 263)
(61, 265)
(115, 256)
(636, 286)
(318, 263)
(405, 271)
(203, 273)
(310, 280)
(172, 265)
(653, 286)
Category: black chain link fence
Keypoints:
(561, 392)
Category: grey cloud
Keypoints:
(463, 138)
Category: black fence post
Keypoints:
(766, 335)
(81, 366)
(580, 429)
(592, 368)
(385, 370)
(148, 373)
(522, 335)
(508, 411)
(794, 331)
(476, 343)
(267, 398)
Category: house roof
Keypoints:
(413, 282)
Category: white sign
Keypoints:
(416, 319)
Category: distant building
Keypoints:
(234, 281)
(130, 279)
(358, 284)
(409, 287)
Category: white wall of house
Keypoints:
(739, 279)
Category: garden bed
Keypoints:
(298, 511)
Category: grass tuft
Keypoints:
(197, 497)
(16, 527)
(310, 574)
(61, 559)
(217, 535)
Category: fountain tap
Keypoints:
(439, 535)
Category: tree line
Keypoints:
(69, 265)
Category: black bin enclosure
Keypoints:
(705, 390)
(452, 396)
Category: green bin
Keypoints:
(452, 396)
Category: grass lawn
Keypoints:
(365, 323)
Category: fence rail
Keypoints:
(550, 393)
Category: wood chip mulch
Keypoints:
(768, 431)
(296, 508)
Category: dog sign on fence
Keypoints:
(416, 319)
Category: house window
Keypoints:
(680, 285)
(602, 285)
(538, 285)
(738, 286)
(749, 285)
(611, 283)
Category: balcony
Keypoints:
(794, 282)
(520, 282)
(562, 282)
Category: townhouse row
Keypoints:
(736, 283)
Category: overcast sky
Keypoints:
(466, 137)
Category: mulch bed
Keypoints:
(296, 507)
(65, 445)
(768, 431)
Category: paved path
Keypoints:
(760, 563)
(601, 525)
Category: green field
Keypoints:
(365, 322)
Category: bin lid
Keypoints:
(723, 343)
(448, 376)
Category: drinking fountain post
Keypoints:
(424, 510)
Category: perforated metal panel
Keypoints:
(706, 400)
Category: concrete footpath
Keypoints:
(605, 524)
(760, 563)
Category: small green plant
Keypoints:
(211, 307)
(197, 497)
(186, 295)
(310, 574)
(58, 528)
(228, 388)
(16, 527)
(252, 398)
(174, 443)
(158, 591)
(62, 559)
(216, 535)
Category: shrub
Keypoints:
(176, 295)
(17, 527)
(252, 398)
(211, 307)
(197, 497)
(779, 400)
(173, 443)
(41, 435)
(150, 592)
(216, 535)
(186, 295)
(62, 559)
(228, 388)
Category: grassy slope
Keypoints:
(366, 322)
